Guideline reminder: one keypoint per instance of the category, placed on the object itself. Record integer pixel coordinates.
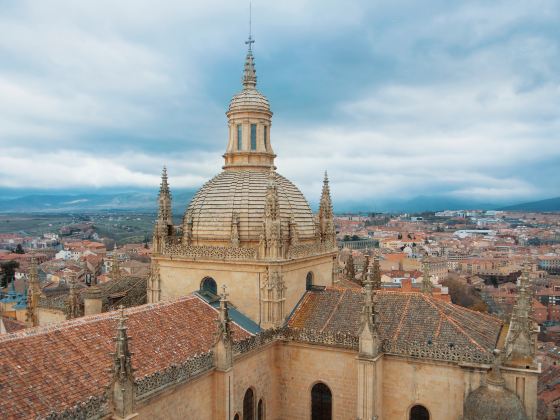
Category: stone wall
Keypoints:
(179, 277)
(259, 371)
(192, 400)
(47, 316)
(303, 366)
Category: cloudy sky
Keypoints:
(395, 99)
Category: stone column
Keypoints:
(370, 377)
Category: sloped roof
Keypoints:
(55, 367)
(404, 318)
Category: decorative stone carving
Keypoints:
(273, 298)
(235, 230)
(92, 408)
(209, 252)
(174, 375)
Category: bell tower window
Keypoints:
(265, 135)
(239, 137)
(253, 136)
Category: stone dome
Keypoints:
(249, 100)
(491, 402)
(243, 192)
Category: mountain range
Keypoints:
(40, 202)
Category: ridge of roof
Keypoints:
(89, 319)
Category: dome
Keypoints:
(249, 100)
(243, 192)
(491, 402)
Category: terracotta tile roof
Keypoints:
(54, 368)
(404, 317)
(12, 325)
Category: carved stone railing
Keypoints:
(451, 353)
(207, 252)
(258, 340)
(174, 374)
(327, 338)
(309, 250)
(447, 352)
(93, 408)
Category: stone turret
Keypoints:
(93, 301)
(164, 223)
(122, 386)
(327, 232)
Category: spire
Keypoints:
(426, 278)
(249, 73)
(164, 223)
(376, 274)
(326, 218)
(223, 349)
(520, 340)
(271, 243)
(164, 186)
(73, 310)
(33, 295)
(115, 266)
(123, 380)
(369, 342)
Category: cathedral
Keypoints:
(247, 319)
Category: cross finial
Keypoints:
(250, 40)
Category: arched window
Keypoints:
(208, 284)
(321, 402)
(260, 410)
(236, 417)
(419, 412)
(248, 405)
(309, 281)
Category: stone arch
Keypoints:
(309, 278)
(208, 284)
(249, 404)
(321, 402)
(419, 412)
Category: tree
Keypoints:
(8, 272)
(19, 249)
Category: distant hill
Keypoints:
(551, 204)
(80, 202)
(145, 200)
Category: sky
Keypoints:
(396, 99)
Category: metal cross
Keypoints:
(250, 40)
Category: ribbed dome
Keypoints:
(490, 402)
(249, 100)
(243, 192)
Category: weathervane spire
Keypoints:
(250, 40)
